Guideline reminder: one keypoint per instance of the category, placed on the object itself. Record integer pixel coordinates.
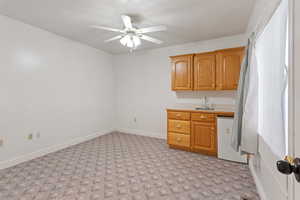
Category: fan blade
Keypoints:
(114, 38)
(108, 29)
(151, 39)
(127, 21)
(152, 29)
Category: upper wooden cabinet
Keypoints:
(218, 70)
(228, 68)
(182, 71)
(205, 71)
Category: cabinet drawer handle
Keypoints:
(178, 139)
(178, 126)
(202, 117)
(178, 115)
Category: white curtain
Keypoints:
(245, 126)
(249, 140)
(271, 61)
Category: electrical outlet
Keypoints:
(38, 135)
(1, 141)
(228, 131)
(30, 136)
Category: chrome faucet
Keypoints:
(205, 105)
(205, 102)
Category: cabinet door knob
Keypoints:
(178, 126)
(178, 139)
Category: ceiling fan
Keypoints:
(131, 36)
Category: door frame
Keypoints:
(291, 100)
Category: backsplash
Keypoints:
(214, 97)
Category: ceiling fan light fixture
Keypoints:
(124, 40)
(131, 36)
(136, 41)
(130, 41)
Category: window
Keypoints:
(271, 52)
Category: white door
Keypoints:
(270, 56)
(294, 94)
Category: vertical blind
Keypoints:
(272, 81)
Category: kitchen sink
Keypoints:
(204, 108)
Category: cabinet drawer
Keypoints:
(179, 139)
(179, 115)
(204, 117)
(179, 126)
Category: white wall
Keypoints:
(143, 86)
(271, 184)
(51, 85)
(261, 13)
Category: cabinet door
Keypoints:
(205, 71)
(228, 68)
(203, 138)
(182, 72)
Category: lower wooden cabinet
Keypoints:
(193, 131)
(204, 138)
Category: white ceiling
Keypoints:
(187, 20)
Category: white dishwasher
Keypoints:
(225, 151)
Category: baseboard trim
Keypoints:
(142, 133)
(258, 183)
(51, 149)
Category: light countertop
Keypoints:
(218, 108)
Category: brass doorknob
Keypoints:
(288, 166)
